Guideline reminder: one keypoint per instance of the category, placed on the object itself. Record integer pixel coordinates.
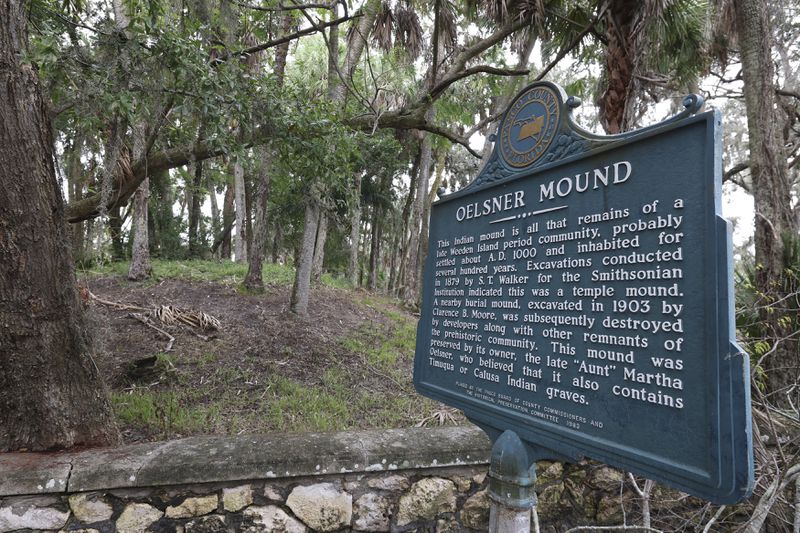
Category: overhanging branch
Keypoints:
(446, 82)
(285, 39)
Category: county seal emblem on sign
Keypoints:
(529, 126)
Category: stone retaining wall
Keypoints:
(391, 480)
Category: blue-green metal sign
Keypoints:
(579, 293)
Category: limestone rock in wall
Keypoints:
(607, 479)
(475, 511)
(270, 519)
(90, 508)
(137, 517)
(237, 498)
(463, 484)
(426, 499)
(322, 507)
(273, 493)
(191, 507)
(31, 514)
(394, 483)
(372, 513)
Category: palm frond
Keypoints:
(408, 31)
(384, 27)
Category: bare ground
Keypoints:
(264, 369)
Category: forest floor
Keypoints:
(346, 366)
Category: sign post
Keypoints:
(578, 301)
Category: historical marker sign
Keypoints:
(579, 293)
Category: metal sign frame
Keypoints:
(538, 146)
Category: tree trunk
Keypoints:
(140, 251)
(355, 46)
(227, 220)
(240, 240)
(115, 231)
(276, 243)
(302, 279)
(168, 242)
(426, 215)
(770, 186)
(140, 268)
(375, 247)
(216, 223)
(195, 202)
(51, 395)
(253, 280)
(407, 224)
(411, 281)
(355, 223)
(75, 188)
(319, 247)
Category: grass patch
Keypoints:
(162, 413)
(217, 271)
(387, 347)
(201, 270)
(241, 383)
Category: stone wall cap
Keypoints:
(212, 459)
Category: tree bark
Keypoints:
(770, 184)
(140, 268)
(375, 247)
(302, 280)
(411, 281)
(240, 240)
(167, 241)
(355, 223)
(228, 219)
(216, 223)
(319, 247)
(51, 395)
(406, 225)
(75, 188)
(619, 58)
(253, 280)
(195, 202)
(426, 215)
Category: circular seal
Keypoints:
(529, 126)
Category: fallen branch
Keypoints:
(167, 314)
(115, 305)
(144, 319)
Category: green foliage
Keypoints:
(199, 270)
(781, 304)
(161, 412)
